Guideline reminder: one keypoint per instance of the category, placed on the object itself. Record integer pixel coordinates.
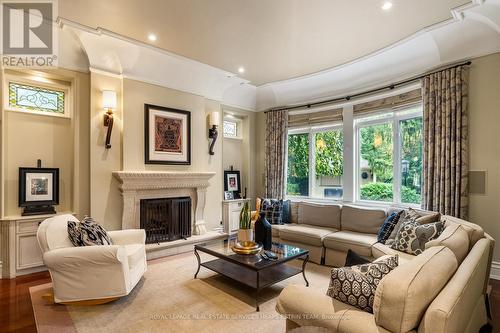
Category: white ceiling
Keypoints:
(274, 40)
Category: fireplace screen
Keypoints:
(166, 219)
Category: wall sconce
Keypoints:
(109, 104)
(212, 131)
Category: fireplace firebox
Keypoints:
(166, 219)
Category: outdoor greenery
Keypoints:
(376, 149)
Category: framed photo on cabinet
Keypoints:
(167, 135)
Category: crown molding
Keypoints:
(115, 54)
(473, 31)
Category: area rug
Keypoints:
(168, 299)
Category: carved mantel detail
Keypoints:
(137, 185)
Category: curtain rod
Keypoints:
(368, 92)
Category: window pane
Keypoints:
(411, 160)
(376, 162)
(230, 128)
(329, 165)
(298, 165)
(36, 98)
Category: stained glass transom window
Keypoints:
(22, 96)
(230, 129)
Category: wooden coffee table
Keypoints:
(252, 270)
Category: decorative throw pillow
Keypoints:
(406, 215)
(273, 209)
(379, 268)
(352, 288)
(388, 226)
(353, 258)
(412, 236)
(357, 285)
(286, 217)
(87, 233)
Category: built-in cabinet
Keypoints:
(231, 214)
(20, 252)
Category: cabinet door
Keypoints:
(234, 220)
(28, 252)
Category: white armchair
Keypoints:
(98, 272)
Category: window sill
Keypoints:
(237, 138)
(366, 203)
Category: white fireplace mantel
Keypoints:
(137, 185)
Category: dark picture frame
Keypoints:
(232, 182)
(43, 192)
(175, 134)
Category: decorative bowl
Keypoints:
(246, 247)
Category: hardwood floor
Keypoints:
(16, 313)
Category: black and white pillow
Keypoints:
(379, 268)
(388, 226)
(357, 285)
(351, 287)
(273, 209)
(87, 233)
(412, 236)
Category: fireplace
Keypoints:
(166, 219)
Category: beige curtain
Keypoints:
(445, 160)
(276, 134)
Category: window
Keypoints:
(315, 170)
(389, 156)
(230, 129)
(28, 97)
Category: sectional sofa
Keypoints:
(441, 290)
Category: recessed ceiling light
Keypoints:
(241, 69)
(152, 37)
(387, 5)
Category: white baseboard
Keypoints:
(495, 270)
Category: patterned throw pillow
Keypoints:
(388, 226)
(87, 233)
(406, 215)
(412, 236)
(273, 209)
(379, 268)
(357, 285)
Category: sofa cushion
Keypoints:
(304, 233)
(403, 296)
(275, 229)
(350, 240)
(379, 250)
(455, 238)
(286, 216)
(294, 212)
(474, 231)
(362, 219)
(319, 215)
(411, 237)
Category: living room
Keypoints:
(284, 166)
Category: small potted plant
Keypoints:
(245, 232)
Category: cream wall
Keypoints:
(484, 122)
(135, 95)
(59, 142)
(260, 153)
(106, 203)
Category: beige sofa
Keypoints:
(441, 290)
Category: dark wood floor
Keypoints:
(16, 313)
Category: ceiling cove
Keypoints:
(474, 30)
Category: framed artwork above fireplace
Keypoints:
(167, 135)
